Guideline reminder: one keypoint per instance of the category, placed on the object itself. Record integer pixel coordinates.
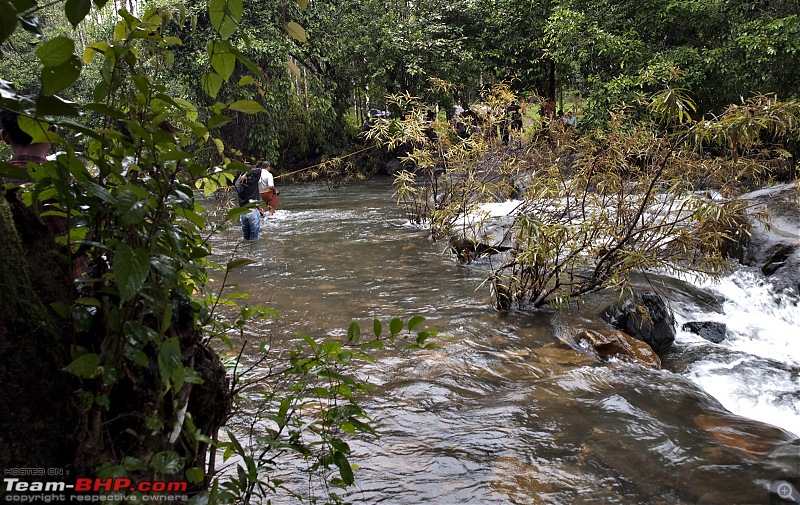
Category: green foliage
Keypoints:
(133, 217)
(300, 412)
(593, 209)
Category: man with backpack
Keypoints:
(247, 189)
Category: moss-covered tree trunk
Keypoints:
(39, 418)
(44, 422)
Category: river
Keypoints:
(505, 413)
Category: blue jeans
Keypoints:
(251, 222)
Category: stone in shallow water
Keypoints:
(709, 330)
(615, 344)
(645, 316)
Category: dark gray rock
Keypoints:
(709, 330)
(774, 249)
(645, 316)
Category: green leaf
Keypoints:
(132, 207)
(218, 120)
(38, 130)
(193, 217)
(131, 269)
(167, 462)
(86, 366)
(8, 21)
(414, 322)
(54, 79)
(235, 212)
(345, 470)
(23, 5)
(246, 106)
(76, 10)
(246, 79)
(293, 68)
(211, 84)
(377, 328)
(225, 16)
(170, 362)
(303, 4)
(56, 106)
(136, 356)
(395, 326)
(296, 31)
(222, 58)
(55, 51)
(236, 263)
(13, 172)
(104, 109)
(195, 474)
(353, 332)
(92, 49)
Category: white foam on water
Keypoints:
(759, 379)
(760, 322)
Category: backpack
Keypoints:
(248, 189)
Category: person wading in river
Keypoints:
(266, 188)
(247, 190)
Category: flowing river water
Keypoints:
(505, 413)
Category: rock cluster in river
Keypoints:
(645, 316)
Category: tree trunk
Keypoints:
(40, 416)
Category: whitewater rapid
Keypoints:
(755, 370)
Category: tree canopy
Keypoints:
(324, 64)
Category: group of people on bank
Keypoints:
(256, 186)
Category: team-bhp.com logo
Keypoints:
(94, 490)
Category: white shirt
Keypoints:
(265, 182)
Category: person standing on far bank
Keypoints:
(247, 190)
(266, 188)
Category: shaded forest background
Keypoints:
(327, 63)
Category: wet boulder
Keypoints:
(709, 330)
(644, 316)
(774, 249)
(616, 345)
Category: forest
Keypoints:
(112, 373)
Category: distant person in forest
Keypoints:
(266, 188)
(24, 151)
(512, 122)
(247, 190)
(548, 109)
